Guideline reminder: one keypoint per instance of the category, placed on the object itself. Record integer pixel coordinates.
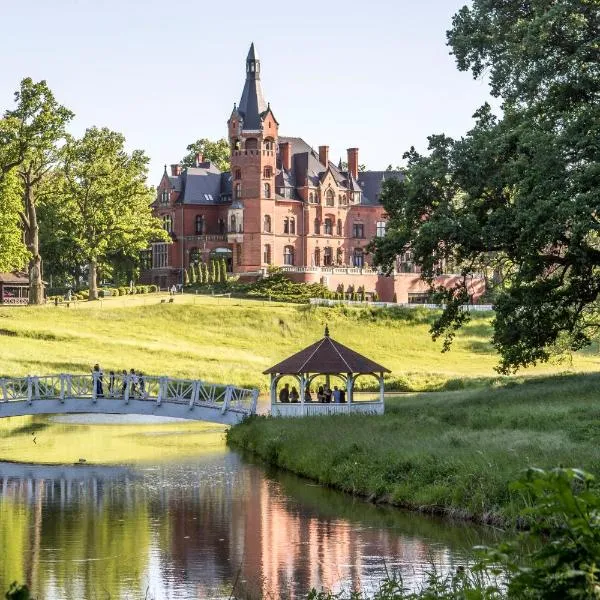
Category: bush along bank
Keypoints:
(452, 454)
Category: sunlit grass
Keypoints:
(233, 341)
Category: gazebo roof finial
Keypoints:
(326, 330)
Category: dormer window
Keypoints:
(164, 197)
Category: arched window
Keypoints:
(329, 197)
(286, 225)
(194, 256)
(251, 144)
(267, 172)
(288, 255)
(238, 173)
(358, 258)
(339, 259)
(199, 224)
(267, 254)
(328, 227)
(292, 225)
(233, 224)
(238, 191)
(317, 227)
(317, 257)
(267, 224)
(268, 144)
(168, 223)
(340, 227)
(327, 256)
(267, 190)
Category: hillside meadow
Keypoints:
(232, 341)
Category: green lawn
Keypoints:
(449, 452)
(233, 341)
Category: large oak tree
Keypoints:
(518, 197)
(103, 193)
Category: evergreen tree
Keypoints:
(193, 278)
(186, 277)
(214, 272)
(200, 274)
(223, 271)
(205, 276)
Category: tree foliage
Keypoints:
(518, 197)
(103, 190)
(13, 253)
(216, 152)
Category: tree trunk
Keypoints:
(36, 285)
(93, 280)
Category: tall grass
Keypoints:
(449, 453)
(233, 341)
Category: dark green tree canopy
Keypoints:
(518, 198)
(217, 152)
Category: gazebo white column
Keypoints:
(381, 388)
(273, 388)
(350, 388)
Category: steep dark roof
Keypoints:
(327, 357)
(201, 185)
(252, 103)
(370, 183)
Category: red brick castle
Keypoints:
(282, 204)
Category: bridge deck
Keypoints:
(126, 394)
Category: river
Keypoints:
(205, 527)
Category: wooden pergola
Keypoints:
(14, 288)
(326, 358)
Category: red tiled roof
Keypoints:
(327, 357)
(19, 278)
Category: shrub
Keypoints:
(153, 288)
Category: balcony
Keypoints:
(235, 237)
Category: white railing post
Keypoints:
(29, 389)
(228, 392)
(255, 401)
(94, 384)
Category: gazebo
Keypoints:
(326, 358)
(14, 288)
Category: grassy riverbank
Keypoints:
(452, 453)
(233, 341)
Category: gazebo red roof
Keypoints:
(327, 357)
(14, 278)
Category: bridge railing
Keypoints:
(127, 387)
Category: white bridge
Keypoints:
(126, 394)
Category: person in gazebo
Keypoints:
(307, 395)
(294, 396)
(284, 394)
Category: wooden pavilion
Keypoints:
(14, 288)
(330, 359)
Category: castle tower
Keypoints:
(253, 134)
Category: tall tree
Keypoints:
(108, 199)
(217, 152)
(31, 135)
(13, 253)
(518, 194)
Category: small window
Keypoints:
(311, 198)
(292, 225)
(238, 173)
(168, 223)
(238, 191)
(267, 172)
(267, 224)
(340, 227)
(327, 257)
(317, 227)
(381, 228)
(221, 224)
(317, 257)
(286, 225)
(269, 144)
(267, 190)
(199, 224)
(358, 230)
(339, 256)
(329, 197)
(288, 255)
(164, 197)
(328, 227)
(358, 257)
(267, 254)
(233, 224)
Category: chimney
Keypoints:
(285, 155)
(353, 162)
(175, 170)
(324, 155)
(199, 159)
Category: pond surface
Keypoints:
(198, 528)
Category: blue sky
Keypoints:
(373, 74)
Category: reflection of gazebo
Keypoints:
(330, 359)
(14, 288)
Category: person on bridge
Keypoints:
(123, 382)
(111, 384)
(134, 382)
(98, 381)
(142, 385)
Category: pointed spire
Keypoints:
(252, 53)
(165, 168)
(326, 330)
(340, 166)
(252, 103)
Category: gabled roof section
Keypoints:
(371, 182)
(201, 185)
(327, 357)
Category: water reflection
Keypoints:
(191, 530)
